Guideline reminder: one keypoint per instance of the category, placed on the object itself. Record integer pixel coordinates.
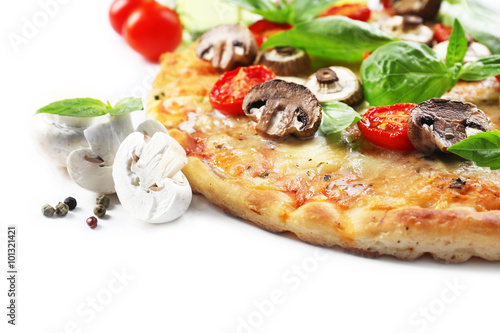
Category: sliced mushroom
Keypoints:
(285, 60)
(475, 51)
(426, 9)
(336, 84)
(228, 46)
(282, 108)
(408, 28)
(148, 177)
(437, 124)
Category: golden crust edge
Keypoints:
(448, 235)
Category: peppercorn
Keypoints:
(48, 210)
(62, 209)
(71, 202)
(92, 222)
(100, 210)
(102, 200)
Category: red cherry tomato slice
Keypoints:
(353, 11)
(441, 33)
(386, 126)
(229, 91)
(498, 78)
(264, 29)
(153, 29)
(120, 10)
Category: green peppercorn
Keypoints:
(71, 202)
(48, 210)
(102, 200)
(100, 210)
(62, 209)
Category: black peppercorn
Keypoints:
(71, 202)
(100, 210)
(92, 222)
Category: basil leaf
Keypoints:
(482, 148)
(76, 107)
(405, 72)
(126, 105)
(337, 116)
(477, 20)
(308, 10)
(457, 45)
(481, 69)
(335, 38)
(267, 9)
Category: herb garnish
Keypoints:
(336, 117)
(482, 148)
(89, 107)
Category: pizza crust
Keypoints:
(227, 160)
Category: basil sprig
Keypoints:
(482, 148)
(335, 38)
(89, 107)
(296, 12)
(337, 116)
(408, 72)
(479, 21)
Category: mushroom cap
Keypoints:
(105, 138)
(285, 60)
(150, 127)
(407, 28)
(475, 51)
(57, 136)
(89, 171)
(228, 46)
(282, 108)
(148, 179)
(426, 9)
(345, 88)
(437, 124)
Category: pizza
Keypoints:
(268, 163)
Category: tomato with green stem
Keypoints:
(229, 91)
(386, 126)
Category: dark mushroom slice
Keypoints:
(336, 84)
(228, 46)
(408, 28)
(475, 51)
(282, 108)
(285, 60)
(438, 123)
(427, 9)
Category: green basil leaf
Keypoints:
(267, 9)
(405, 72)
(482, 148)
(126, 105)
(477, 20)
(308, 10)
(457, 45)
(481, 69)
(337, 116)
(76, 107)
(335, 38)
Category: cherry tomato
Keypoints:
(153, 29)
(498, 78)
(229, 91)
(386, 126)
(264, 29)
(120, 10)
(441, 33)
(353, 11)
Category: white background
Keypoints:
(205, 272)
